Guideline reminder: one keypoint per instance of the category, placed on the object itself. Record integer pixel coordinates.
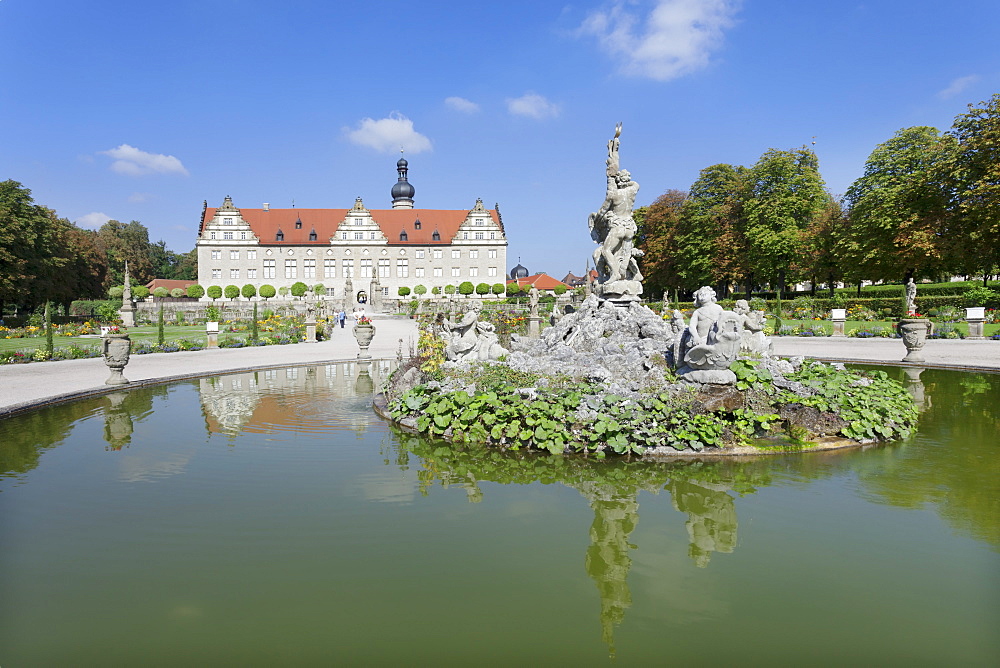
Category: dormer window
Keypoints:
(280, 236)
(298, 223)
(416, 224)
(312, 235)
(402, 236)
(436, 236)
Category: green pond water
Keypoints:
(271, 518)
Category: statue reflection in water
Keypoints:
(701, 490)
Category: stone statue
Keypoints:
(469, 339)
(613, 227)
(533, 301)
(127, 310)
(704, 317)
(754, 340)
(710, 342)
(911, 297)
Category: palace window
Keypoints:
(216, 255)
(331, 292)
(438, 254)
(329, 268)
(234, 255)
(234, 273)
(298, 223)
(418, 254)
(403, 236)
(216, 273)
(269, 269)
(493, 235)
(243, 236)
(416, 224)
(473, 255)
(480, 221)
(418, 272)
(436, 236)
(493, 253)
(372, 237)
(456, 254)
(492, 271)
(251, 273)
(359, 235)
(366, 267)
(227, 221)
(347, 265)
(309, 268)
(291, 269)
(227, 235)
(473, 271)
(312, 236)
(402, 269)
(211, 235)
(479, 235)
(383, 268)
(251, 255)
(465, 235)
(280, 236)
(438, 272)
(456, 271)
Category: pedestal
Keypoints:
(976, 329)
(838, 327)
(211, 334)
(310, 332)
(128, 315)
(534, 326)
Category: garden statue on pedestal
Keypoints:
(711, 341)
(469, 339)
(613, 227)
(911, 297)
(127, 311)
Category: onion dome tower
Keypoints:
(520, 271)
(402, 191)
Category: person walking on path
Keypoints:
(342, 317)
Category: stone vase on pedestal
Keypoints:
(914, 332)
(364, 333)
(116, 347)
(838, 316)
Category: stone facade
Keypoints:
(405, 246)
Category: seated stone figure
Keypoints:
(721, 347)
(754, 340)
(469, 339)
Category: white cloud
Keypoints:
(532, 105)
(139, 198)
(388, 135)
(675, 38)
(134, 162)
(957, 86)
(92, 221)
(462, 105)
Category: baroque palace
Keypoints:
(358, 248)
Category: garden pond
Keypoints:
(272, 518)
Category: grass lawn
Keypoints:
(990, 328)
(145, 333)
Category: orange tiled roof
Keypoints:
(540, 281)
(265, 224)
(168, 283)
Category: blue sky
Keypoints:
(139, 110)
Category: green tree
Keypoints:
(709, 240)
(784, 193)
(560, 289)
(898, 208)
(141, 292)
(195, 291)
(299, 288)
(449, 289)
(187, 266)
(116, 292)
(214, 292)
(159, 292)
(466, 288)
(319, 289)
(972, 172)
(267, 291)
(825, 244)
(177, 293)
(403, 291)
(482, 288)
(127, 241)
(436, 290)
(656, 238)
(420, 290)
(159, 327)
(249, 291)
(498, 289)
(28, 259)
(283, 291)
(232, 292)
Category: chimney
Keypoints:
(267, 206)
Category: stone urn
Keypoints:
(364, 333)
(116, 346)
(914, 332)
